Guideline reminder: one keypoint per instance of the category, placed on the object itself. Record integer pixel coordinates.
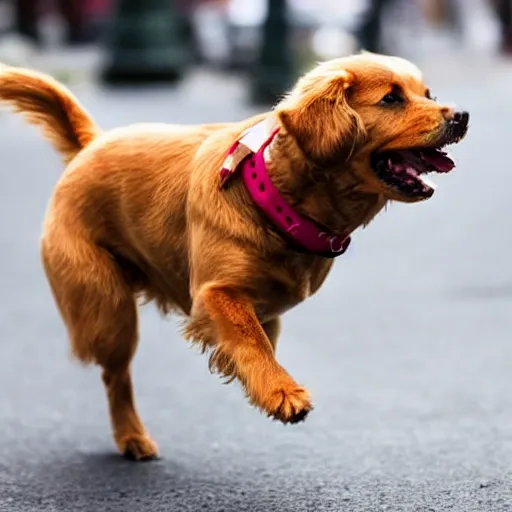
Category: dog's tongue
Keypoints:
(438, 159)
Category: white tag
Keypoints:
(250, 143)
(258, 134)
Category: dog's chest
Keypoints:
(291, 284)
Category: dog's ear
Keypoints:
(317, 114)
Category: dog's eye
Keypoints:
(391, 99)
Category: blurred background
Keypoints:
(272, 41)
(407, 347)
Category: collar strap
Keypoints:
(248, 156)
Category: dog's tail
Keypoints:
(50, 105)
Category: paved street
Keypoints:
(407, 349)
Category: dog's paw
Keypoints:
(138, 447)
(288, 404)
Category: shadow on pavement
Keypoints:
(108, 482)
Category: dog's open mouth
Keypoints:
(406, 170)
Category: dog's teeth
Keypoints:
(427, 181)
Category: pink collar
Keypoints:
(248, 154)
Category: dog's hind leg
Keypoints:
(100, 313)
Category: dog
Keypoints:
(230, 224)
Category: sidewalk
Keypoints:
(66, 64)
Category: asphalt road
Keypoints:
(407, 350)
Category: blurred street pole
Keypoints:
(273, 73)
(503, 9)
(147, 42)
(369, 31)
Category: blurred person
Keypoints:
(205, 27)
(443, 13)
(369, 31)
(27, 13)
(503, 9)
(436, 12)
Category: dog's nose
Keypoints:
(458, 124)
(461, 118)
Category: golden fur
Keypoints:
(138, 214)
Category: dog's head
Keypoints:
(373, 114)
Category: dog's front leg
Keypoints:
(224, 318)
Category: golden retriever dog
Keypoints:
(229, 225)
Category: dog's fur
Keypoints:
(139, 213)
